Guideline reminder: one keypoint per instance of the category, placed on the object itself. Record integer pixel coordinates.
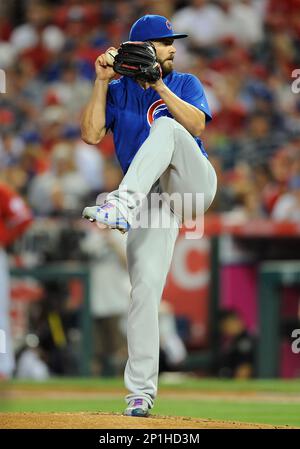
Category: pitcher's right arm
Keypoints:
(93, 117)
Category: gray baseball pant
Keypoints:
(169, 161)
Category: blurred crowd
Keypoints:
(244, 51)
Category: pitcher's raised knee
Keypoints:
(168, 123)
(165, 122)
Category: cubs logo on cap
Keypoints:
(151, 27)
(168, 25)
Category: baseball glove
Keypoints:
(137, 60)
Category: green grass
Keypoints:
(64, 405)
(277, 412)
(274, 413)
(266, 385)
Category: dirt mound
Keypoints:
(115, 421)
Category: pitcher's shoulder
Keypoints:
(185, 77)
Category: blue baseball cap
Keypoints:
(152, 27)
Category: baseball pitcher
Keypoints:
(157, 116)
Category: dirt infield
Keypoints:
(116, 421)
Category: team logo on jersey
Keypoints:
(168, 25)
(158, 108)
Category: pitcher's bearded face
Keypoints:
(165, 52)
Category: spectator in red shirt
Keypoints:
(15, 217)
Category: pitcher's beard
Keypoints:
(166, 68)
(166, 72)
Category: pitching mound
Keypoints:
(115, 421)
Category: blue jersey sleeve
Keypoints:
(110, 110)
(193, 93)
